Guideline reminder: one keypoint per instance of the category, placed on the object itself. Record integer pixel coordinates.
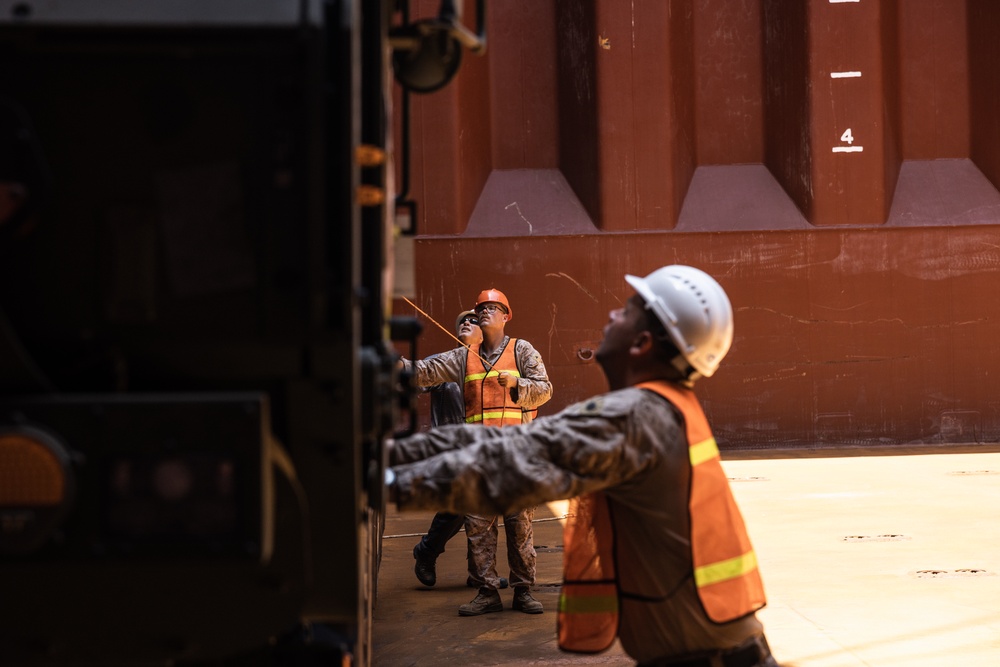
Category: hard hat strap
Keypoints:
(687, 371)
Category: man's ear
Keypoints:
(642, 344)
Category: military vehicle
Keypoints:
(196, 373)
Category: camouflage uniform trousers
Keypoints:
(482, 532)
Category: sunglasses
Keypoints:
(474, 321)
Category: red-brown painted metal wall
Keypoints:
(597, 138)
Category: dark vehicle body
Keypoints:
(195, 376)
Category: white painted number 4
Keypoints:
(847, 136)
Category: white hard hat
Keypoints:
(695, 311)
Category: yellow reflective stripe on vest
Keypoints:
(706, 450)
(494, 414)
(481, 376)
(725, 570)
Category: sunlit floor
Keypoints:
(878, 561)
(875, 561)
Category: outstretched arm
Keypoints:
(483, 470)
(438, 368)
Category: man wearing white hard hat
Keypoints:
(657, 553)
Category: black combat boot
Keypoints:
(524, 602)
(424, 567)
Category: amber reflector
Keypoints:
(30, 473)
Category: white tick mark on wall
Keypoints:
(572, 280)
(518, 209)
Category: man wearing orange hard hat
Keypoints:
(504, 383)
(448, 407)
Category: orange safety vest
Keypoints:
(725, 566)
(587, 618)
(486, 402)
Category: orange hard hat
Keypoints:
(495, 296)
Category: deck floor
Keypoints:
(874, 561)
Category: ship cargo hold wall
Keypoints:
(834, 164)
